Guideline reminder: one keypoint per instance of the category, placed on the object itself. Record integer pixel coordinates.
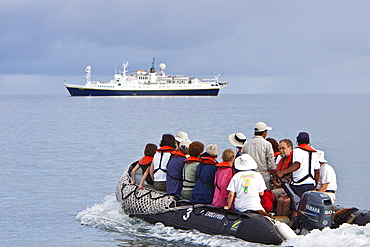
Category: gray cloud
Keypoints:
(264, 46)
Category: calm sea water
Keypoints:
(61, 158)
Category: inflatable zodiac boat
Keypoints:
(315, 211)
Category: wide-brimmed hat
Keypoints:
(245, 162)
(321, 155)
(181, 135)
(237, 139)
(261, 126)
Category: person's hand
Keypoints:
(226, 207)
(279, 174)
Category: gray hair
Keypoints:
(212, 150)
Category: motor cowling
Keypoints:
(315, 210)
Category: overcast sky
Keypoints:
(264, 46)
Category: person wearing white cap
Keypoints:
(261, 151)
(328, 179)
(238, 140)
(247, 185)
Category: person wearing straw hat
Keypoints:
(238, 140)
(247, 186)
(328, 179)
(262, 152)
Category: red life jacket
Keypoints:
(208, 160)
(223, 165)
(306, 147)
(165, 149)
(285, 163)
(145, 160)
(178, 153)
(192, 159)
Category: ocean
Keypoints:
(61, 158)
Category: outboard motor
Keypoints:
(315, 210)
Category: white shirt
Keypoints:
(327, 175)
(301, 156)
(247, 185)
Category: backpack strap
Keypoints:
(309, 175)
(160, 165)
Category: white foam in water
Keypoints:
(108, 215)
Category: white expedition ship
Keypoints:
(151, 83)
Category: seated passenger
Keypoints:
(157, 169)
(328, 179)
(282, 200)
(205, 176)
(175, 168)
(246, 186)
(190, 167)
(144, 163)
(223, 176)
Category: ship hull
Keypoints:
(74, 91)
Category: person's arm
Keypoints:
(230, 199)
(317, 177)
(141, 185)
(324, 187)
(151, 170)
(133, 174)
(293, 168)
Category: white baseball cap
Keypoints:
(261, 126)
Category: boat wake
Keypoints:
(109, 216)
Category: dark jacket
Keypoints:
(205, 176)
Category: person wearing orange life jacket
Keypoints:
(175, 168)
(223, 176)
(205, 176)
(282, 200)
(306, 168)
(157, 169)
(144, 163)
(190, 167)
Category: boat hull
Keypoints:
(251, 227)
(74, 91)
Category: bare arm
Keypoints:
(317, 177)
(230, 199)
(133, 174)
(324, 187)
(293, 168)
(141, 185)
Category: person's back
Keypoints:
(328, 179)
(175, 168)
(190, 167)
(204, 185)
(223, 175)
(306, 159)
(261, 151)
(247, 185)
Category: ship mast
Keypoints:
(153, 78)
(88, 73)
